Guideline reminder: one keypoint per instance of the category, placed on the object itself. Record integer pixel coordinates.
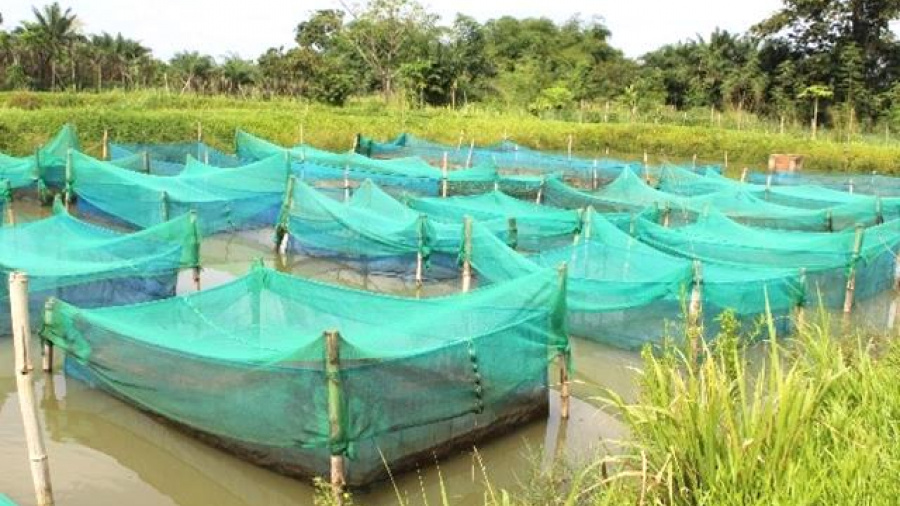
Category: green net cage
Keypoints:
(288, 372)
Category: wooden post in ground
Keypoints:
(879, 211)
(421, 229)
(34, 438)
(850, 186)
(145, 159)
(471, 154)
(829, 221)
(67, 192)
(695, 309)
(512, 230)
(104, 148)
(10, 213)
(726, 159)
(462, 136)
(281, 230)
(164, 207)
(895, 302)
(694, 161)
(196, 270)
(564, 381)
(346, 183)
(665, 218)
(571, 141)
(744, 172)
(851, 271)
(467, 254)
(540, 193)
(335, 413)
(595, 178)
(444, 176)
(199, 141)
(801, 305)
(47, 362)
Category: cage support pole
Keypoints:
(346, 183)
(34, 438)
(569, 147)
(419, 256)
(801, 305)
(471, 154)
(10, 212)
(164, 206)
(512, 229)
(104, 148)
(851, 272)
(444, 176)
(850, 186)
(744, 174)
(281, 231)
(467, 253)
(462, 135)
(540, 193)
(145, 161)
(695, 307)
(726, 159)
(335, 415)
(67, 192)
(196, 270)
(665, 218)
(564, 380)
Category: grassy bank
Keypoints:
(27, 119)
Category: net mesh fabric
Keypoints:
(93, 266)
(169, 159)
(46, 166)
(224, 199)
(256, 346)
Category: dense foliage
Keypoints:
(829, 62)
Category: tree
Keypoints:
(193, 68)
(53, 32)
(815, 93)
(388, 33)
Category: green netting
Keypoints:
(826, 258)
(46, 165)
(870, 184)
(245, 363)
(537, 226)
(224, 199)
(506, 155)
(630, 193)
(93, 266)
(326, 170)
(169, 159)
(625, 293)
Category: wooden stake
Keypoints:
(34, 438)
(196, 269)
(146, 161)
(281, 230)
(512, 230)
(471, 153)
(444, 176)
(164, 207)
(726, 159)
(104, 155)
(423, 220)
(462, 135)
(695, 308)
(467, 254)
(571, 141)
(335, 412)
(10, 213)
(829, 221)
(199, 132)
(301, 133)
(879, 211)
(694, 161)
(206, 156)
(850, 187)
(47, 365)
(851, 272)
(744, 172)
(540, 193)
(67, 193)
(666, 214)
(346, 183)
(564, 394)
(595, 180)
(801, 305)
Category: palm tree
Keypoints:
(56, 31)
(193, 67)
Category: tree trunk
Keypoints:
(781, 128)
(815, 120)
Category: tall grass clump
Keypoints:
(812, 420)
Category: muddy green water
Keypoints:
(104, 452)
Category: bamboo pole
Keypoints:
(67, 193)
(829, 221)
(564, 383)
(571, 141)
(540, 192)
(695, 308)
(164, 207)
(879, 211)
(301, 134)
(462, 135)
(512, 229)
(104, 154)
(851, 272)
(199, 132)
(346, 183)
(694, 161)
(850, 186)
(335, 413)
(196, 270)
(281, 230)
(34, 438)
(47, 362)
(206, 155)
(744, 172)
(801, 304)
(726, 159)
(420, 232)
(444, 176)
(10, 212)
(467, 254)
(595, 178)
(145, 159)
(471, 153)
(666, 215)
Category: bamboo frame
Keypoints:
(467, 253)
(34, 438)
(851, 272)
(335, 412)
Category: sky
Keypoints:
(249, 27)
